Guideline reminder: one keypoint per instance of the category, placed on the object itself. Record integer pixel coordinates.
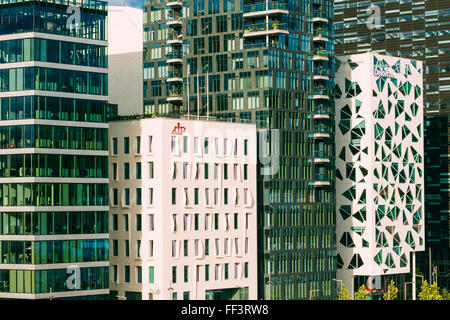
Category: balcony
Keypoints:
(321, 55)
(321, 157)
(175, 39)
(175, 96)
(265, 29)
(321, 74)
(174, 4)
(174, 19)
(264, 9)
(321, 36)
(319, 16)
(321, 132)
(174, 58)
(176, 76)
(321, 113)
(321, 180)
(321, 94)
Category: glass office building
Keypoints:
(54, 150)
(269, 63)
(414, 29)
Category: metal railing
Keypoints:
(265, 26)
(321, 53)
(175, 55)
(321, 177)
(262, 6)
(321, 71)
(321, 154)
(322, 129)
(321, 110)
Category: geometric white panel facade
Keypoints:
(379, 164)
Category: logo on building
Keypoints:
(383, 73)
(178, 129)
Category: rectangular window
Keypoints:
(127, 274)
(174, 196)
(114, 169)
(206, 247)
(139, 274)
(216, 221)
(126, 145)
(125, 222)
(115, 222)
(151, 222)
(150, 248)
(138, 222)
(126, 171)
(206, 171)
(206, 272)
(114, 146)
(196, 221)
(138, 196)
(151, 170)
(206, 145)
(150, 140)
(245, 171)
(127, 196)
(150, 196)
(186, 248)
(236, 220)
(138, 170)
(138, 145)
(186, 273)
(151, 274)
(127, 248)
(174, 274)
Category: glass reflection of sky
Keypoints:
(131, 3)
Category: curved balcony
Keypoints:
(319, 16)
(321, 94)
(264, 9)
(321, 55)
(321, 157)
(174, 4)
(321, 36)
(174, 58)
(321, 180)
(321, 74)
(175, 41)
(321, 113)
(265, 29)
(175, 96)
(321, 132)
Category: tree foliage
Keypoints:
(362, 293)
(430, 292)
(392, 292)
(343, 294)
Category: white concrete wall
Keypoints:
(162, 183)
(125, 38)
(369, 183)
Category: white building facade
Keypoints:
(379, 165)
(183, 209)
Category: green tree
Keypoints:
(430, 292)
(362, 293)
(445, 294)
(392, 291)
(343, 294)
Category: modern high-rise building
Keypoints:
(415, 29)
(268, 63)
(54, 150)
(379, 167)
(183, 210)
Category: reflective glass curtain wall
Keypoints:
(54, 146)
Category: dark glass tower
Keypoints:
(417, 30)
(269, 63)
(54, 150)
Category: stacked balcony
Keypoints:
(174, 54)
(265, 20)
(322, 103)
